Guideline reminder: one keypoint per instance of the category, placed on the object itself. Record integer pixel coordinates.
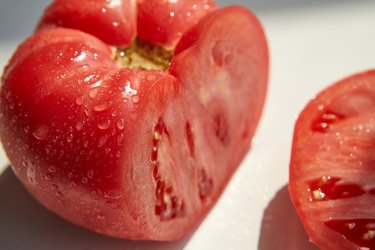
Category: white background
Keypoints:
(312, 44)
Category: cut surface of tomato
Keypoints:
(332, 175)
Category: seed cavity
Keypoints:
(168, 204)
(359, 231)
(190, 139)
(325, 121)
(205, 184)
(329, 188)
(221, 129)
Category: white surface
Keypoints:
(310, 48)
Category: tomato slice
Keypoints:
(131, 153)
(332, 176)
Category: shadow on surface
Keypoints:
(281, 227)
(25, 224)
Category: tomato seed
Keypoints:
(359, 231)
(327, 188)
(326, 121)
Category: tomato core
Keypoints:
(143, 55)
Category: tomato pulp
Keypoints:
(332, 180)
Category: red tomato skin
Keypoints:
(80, 132)
(334, 151)
(164, 22)
(112, 21)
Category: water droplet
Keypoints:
(25, 164)
(90, 174)
(69, 138)
(93, 93)
(41, 132)
(84, 180)
(104, 10)
(86, 144)
(121, 124)
(48, 177)
(115, 24)
(70, 175)
(59, 194)
(80, 100)
(101, 107)
(48, 149)
(128, 90)
(79, 125)
(118, 154)
(54, 187)
(52, 169)
(120, 138)
(135, 99)
(27, 129)
(104, 125)
(171, 14)
(72, 184)
(102, 141)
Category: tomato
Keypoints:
(332, 177)
(132, 141)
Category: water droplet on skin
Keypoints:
(86, 144)
(102, 141)
(121, 124)
(27, 129)
(104, 125)
(54, 187)
(118, 154)
(72, 184)
(171, 14)
(115, 24)
(48, 149)
(128, 90)
(90, 174)
(41, 133)
(59, 194)
(69, 138)
(135, 99)
(84, 180)
(100, 217)
(80, 100)
(93, 93)
(101, 107)
(70, 175)
(52, 169)
(120, 138)
(48, 177)
(104, 10)
(25, 164)
(79, 126)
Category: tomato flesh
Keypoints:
(331, 170)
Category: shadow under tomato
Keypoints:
(25, 224)
(281, 227)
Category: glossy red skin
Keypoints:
(113, 21)
(345, 151)
(79, 131)
(164, 22)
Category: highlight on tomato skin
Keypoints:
(331, 179)
(126, 132)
